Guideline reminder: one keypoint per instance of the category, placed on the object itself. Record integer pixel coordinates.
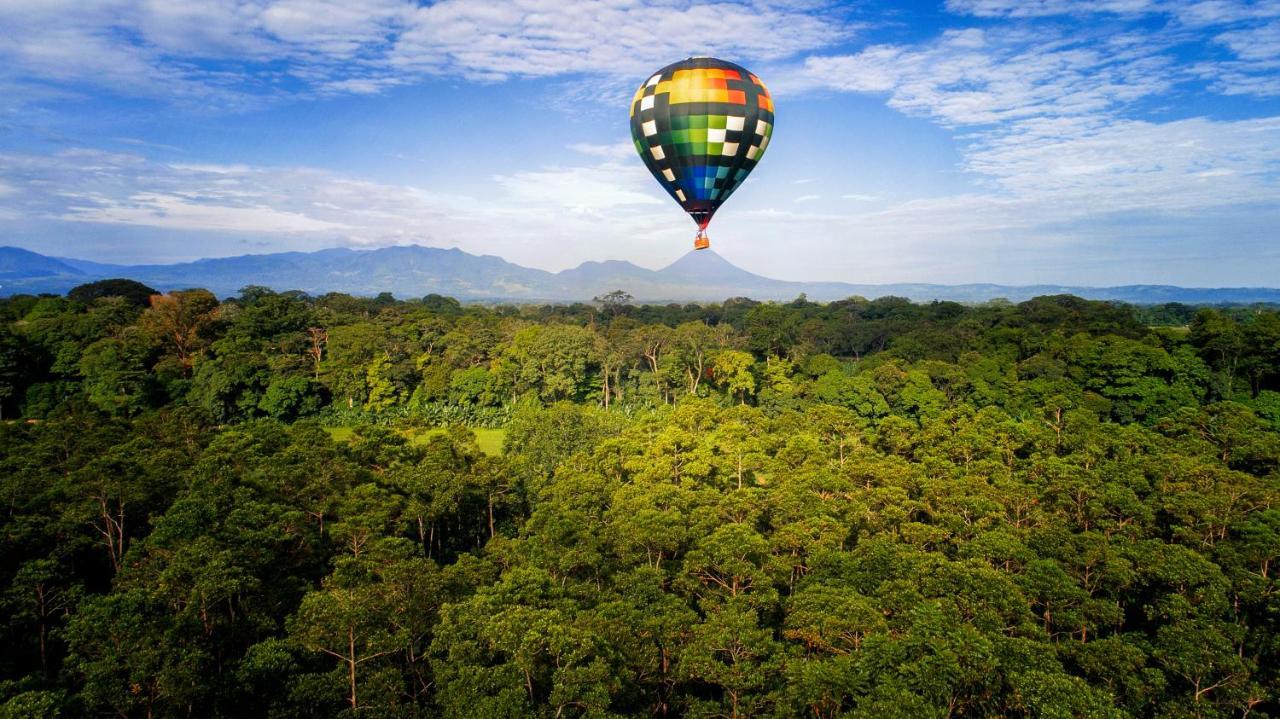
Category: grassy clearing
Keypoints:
(490, 440)
(340, 434)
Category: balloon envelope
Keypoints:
(701, 125)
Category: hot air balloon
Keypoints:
(701, 125)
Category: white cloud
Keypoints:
(1255, 43)
(232, 51)
(1044, 113)
(583, 189)
(1254, 69)
(1141, 165)
(1231, 79)
(1112, 191)
(1032, 228)
(341, 28)
(613, 151)
(570, 207)
(359, 85)
(1191, 13)
(1047, 8)
(176, 212)
(995, 238)
(974, 77)
(490, 40)
(1207, 13)
(121, 188)
(1249, 29)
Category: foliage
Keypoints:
(276, 506)
(135, 293)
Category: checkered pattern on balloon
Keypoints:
(701, 125)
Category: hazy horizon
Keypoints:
(971, 141)
(1275, 284)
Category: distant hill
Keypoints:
(413, 271)
(17, 264)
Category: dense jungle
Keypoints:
(278, 505)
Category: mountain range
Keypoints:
(415, 271)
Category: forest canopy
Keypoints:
(278, 505)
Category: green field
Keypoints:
(490, 440)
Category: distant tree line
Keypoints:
(126, 349)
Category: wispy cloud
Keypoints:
(1191, 13)
(1047, 114)
(975, 77)
(568, 205)
(582, 189)
(177, 212)
(614, 151)
(236, 52)
(1140, 165)
(1048, 8)
(1260, 43)
(489, 40)
(1255, 69)
(1249, 29)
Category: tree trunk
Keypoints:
(112, 531)
(604, 374)
(491, 532)
(351, 665)
(44, 659)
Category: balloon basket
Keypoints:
(701, 242)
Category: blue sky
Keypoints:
(1010, 141)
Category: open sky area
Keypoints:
(1009, 141)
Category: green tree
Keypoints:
(135, 293)
(368, 610)
(732, 372)
(115, 375)
(554, 362)
(733, 654)
(181, 321)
